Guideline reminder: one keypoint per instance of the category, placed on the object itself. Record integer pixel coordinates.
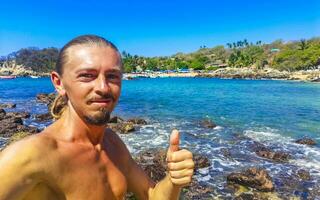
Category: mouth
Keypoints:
(101, 102)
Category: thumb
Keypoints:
(174, 140)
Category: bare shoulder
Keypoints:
(30, 148)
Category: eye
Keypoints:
(113, 76)
(86, 77)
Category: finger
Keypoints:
(186, 164)
(174, 140)
(181, 181)
(181, 173)
(180, 155)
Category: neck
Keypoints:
(75, 129)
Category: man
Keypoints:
(77, 157)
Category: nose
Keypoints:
(102, 85)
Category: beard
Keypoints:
(99, 119)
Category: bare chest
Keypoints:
(88, 174)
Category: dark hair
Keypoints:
(60, 102)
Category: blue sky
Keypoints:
(155, 28)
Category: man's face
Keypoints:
(92, 81)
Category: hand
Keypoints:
(180, 163)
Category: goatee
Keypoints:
(100, 119)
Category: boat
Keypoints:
(7, 77)
(34, 76)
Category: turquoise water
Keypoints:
(274, 113)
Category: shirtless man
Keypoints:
(77, 157)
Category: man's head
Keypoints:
(88, 78)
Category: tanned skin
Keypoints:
(78, 157)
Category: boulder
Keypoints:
(303, 174)
(253, 177)
(278, 156)
(137, 121)
(115, 119)
(201, 161)
(306, 141)
(262, 151)
(207, 123)
(2, 113)
(46, 98)
(153, 162)
(23, 115)
(123, 127)
(7, 105)
(13, 124)
(43, 117)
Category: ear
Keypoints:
(57, 82)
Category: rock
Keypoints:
(306, 141)
(7, 105)
(115, 119)
(2, 113)
(303, 175)
(153, 162)
(43, 117)
(137, 121)
(46, 98)
(123, 127)
(201, 161)
(226, 153)
(276, 156)
(207, 123)
(256, 178)
(265, 152)
(12, 124)
(23, 115)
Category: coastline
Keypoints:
(236, 73)
(223, 73)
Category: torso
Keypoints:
(76, 171)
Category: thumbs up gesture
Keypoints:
(180, 163)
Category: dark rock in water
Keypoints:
(226, 153)
(256, 178)
(153, 162)
(207, 123)
(123, 128)
(43, 117)
(12, 123)
(201, 161)
(23, 115)
(2, 113)
(137, 121)
(7, 105)
(276, 156)
(115, 119)
(304, 175)
(265, 152)
(307, 141)
(46, 98)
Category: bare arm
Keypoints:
(18, 169)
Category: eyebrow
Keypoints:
(93, 69)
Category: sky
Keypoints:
(155, 28)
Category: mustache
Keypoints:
(102, 97)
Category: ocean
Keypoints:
(272, 112)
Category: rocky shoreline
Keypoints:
(238, 73)
(244, 183)
(224, 73)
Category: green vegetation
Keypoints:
(290, 56)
